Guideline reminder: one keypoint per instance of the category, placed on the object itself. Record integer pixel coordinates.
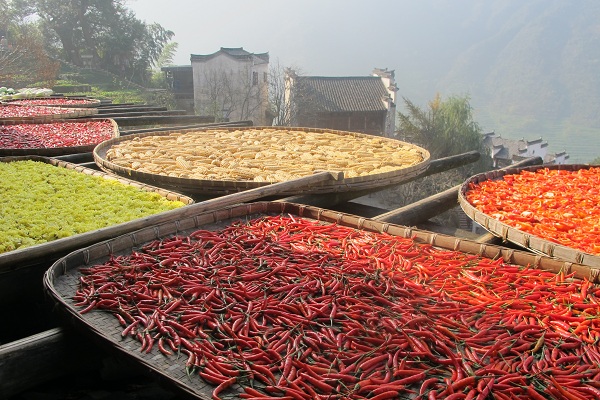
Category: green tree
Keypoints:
(445, 128)
(104, 31)
(23, 57)
(165, 59)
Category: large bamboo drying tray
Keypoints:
(70, 112)
(12, 261)
(62, 278)
(57, 151)
(516, 236)
(212, 188)
(82, 102)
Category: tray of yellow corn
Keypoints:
(217, 161)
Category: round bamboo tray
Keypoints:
(516, 236)
(78, 102)
(54, 113)
(57, 151)
(61, 280)
(213, 188)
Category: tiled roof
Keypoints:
(340, 94)
(177, 68)
(235, 52)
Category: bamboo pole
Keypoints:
(11, 261)
(429, 207)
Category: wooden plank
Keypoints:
(182, 127)
(489, 238)
(117, 109)
(143, 113)
(429, 207)
(76, 158)
(42, 358)
(161, 120)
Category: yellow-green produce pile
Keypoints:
(41, 202)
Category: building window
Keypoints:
(265, 77)
(254, 78)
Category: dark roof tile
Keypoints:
(340, 94)
(235, 52)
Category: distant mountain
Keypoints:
(531, 68)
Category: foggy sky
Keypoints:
(319, 37)
(485, 49)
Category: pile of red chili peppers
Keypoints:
(17, 111)
(557, 205)
(291, 308)
(54, 101)
(55, 134)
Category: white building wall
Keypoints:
(223, 86)
(388, 80)
(536, 149)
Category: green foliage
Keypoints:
(445, 128)
(40, 206)
(157, 78)
(101, 32)
(108, 86)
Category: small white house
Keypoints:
(231, 83)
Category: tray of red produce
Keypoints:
(57, 101)
(54, 138)
(549, 209)
(28, 113)
(281, 300)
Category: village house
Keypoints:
(230, 84)
(364, 104)
(505, 152)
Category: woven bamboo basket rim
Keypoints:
(49, 102)
(22, 258)
(523, 239)
(61, 280)
(213, 188)
(69, 112)
(58, 151)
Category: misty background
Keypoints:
(530, 67)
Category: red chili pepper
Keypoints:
(423, 329)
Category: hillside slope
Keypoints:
(530, 68)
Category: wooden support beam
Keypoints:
(115, 114)
(181, 127)
(43, 357)
(160, 120)
(132, 108)
(77, 158)
(425, 209)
